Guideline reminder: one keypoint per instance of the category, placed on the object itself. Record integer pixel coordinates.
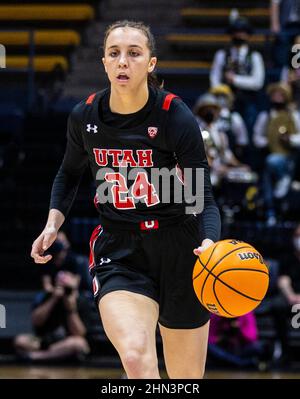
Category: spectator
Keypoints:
(289, 294)
(64, 259)
(291, 76)
(220, 157)
(234, 341)
(242, 69)
(231, 123)
(278, 131)
(57, 319)
(285, 23)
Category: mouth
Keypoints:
(122, 77)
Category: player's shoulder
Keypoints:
(178, 110)
(173, 103)
(180, 117)
(88, 103)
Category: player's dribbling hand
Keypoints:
(42, 243)
(204, 245)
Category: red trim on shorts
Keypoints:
(95, 286)
(90, 99)
(167, 102)
(95, 234)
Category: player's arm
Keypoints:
(47, 236)
(185, 138)
(64, 187)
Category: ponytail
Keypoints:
(154, 82)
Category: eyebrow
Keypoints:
(131, 45)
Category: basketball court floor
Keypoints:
(44, 372)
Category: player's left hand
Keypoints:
(206, 243)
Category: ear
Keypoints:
(152, 64)
(103, 61)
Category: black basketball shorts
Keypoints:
(157, 263)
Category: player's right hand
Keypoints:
(42, 243)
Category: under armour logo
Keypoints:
(89, 128)
(104, 260)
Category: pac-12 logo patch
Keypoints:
(152, 131)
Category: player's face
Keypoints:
(127, 60)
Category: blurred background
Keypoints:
(231, 62)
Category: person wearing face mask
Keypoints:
(288, 295)
(231, 122)
(220, 157)
(242, 69)
(278, 131)
(65, 260)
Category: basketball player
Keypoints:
(142, 254)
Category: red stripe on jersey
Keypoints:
(168, 100)
(95, 234)
(90, 99)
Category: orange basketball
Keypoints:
(230, 278)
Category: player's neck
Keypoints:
(129, 102)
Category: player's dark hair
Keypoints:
(152, 78)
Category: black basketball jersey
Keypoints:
(168, 138)
(144, 147)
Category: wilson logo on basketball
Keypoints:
(152, 131)
(250, 255)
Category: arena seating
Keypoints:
(63, 38)
(213, 41)
(182, 67)
(218, 17)
(42, 63)
(202, 32)
(38, 14)
(51, 31)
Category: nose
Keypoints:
(123, 60)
